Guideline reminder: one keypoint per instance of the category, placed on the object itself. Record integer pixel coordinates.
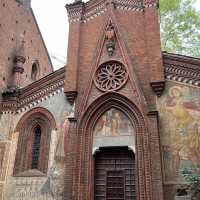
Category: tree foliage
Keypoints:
(193, 180)
(180, 27)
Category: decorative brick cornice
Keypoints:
(75, 11)
(19, 100)
(134, 5)
(80, 11)
(182, 68)
(93, 10)
(150, 3)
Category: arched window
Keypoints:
(33, 144)
(36, 147)
(35, 70)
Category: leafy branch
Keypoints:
(180, 27)
(193, 179)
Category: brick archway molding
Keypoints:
(83, 168)
(26, 125)
(36, 111)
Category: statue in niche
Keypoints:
(113, 123)
(110, 37)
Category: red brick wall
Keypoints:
(16, 22)
(139, 47)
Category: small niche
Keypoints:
(35, 70)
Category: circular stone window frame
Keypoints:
(110, 76)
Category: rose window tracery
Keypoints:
(111, 76)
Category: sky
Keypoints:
(51, 16)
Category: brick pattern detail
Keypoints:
(93, 9)
(134, 49)
(18, 25)
(182, 69)
(156, 167)
(18, 101)
(150, 3)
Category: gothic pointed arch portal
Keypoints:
(114, 156)
(84, 183)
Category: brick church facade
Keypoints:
(121, 121)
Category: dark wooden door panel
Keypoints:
(115, 174)
(115, 185)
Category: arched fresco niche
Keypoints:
(113, 128)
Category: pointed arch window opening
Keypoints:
(36, 147)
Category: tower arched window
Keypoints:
(35, 70)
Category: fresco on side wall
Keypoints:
(1, 190)
(113, 123)
(180, 130)
(2, 152)
(6, 126)
(52, 186)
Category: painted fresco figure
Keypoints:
(185, 138)
(103, 127)
(193, 142)
(1, 159)
(113, 123)
(64, 128)
(55, 181)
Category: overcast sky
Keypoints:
(52, 19)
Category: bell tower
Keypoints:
(114, 68)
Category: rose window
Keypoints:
(111, 76)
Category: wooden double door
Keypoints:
(115, 177)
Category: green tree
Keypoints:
(193, 179)
(180, 27)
